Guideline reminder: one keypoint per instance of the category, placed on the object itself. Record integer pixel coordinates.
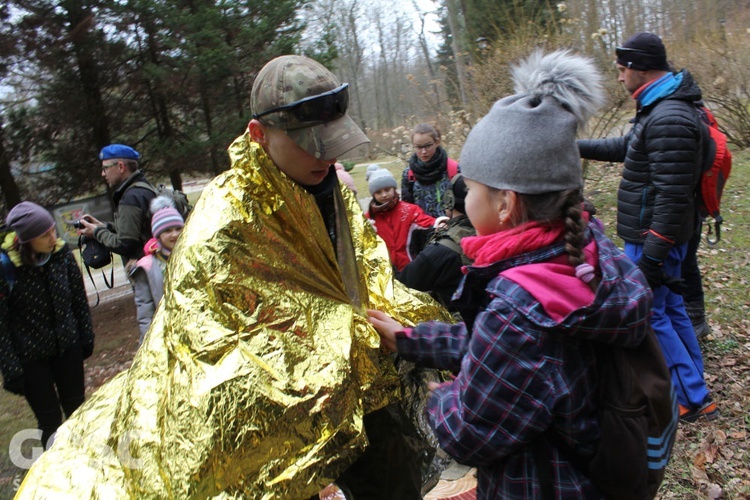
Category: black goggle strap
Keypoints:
(623, 50)
(320, 108)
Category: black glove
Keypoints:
(677, 285)
(14, 385)
(87, 350)
(656, 276)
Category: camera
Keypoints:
(78, 225)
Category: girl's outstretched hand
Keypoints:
(386, 327)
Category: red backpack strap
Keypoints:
(452, 168)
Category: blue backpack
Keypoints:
(8, 270)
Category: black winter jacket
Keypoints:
(45, 313)
(132, 226)
(662, 156)
(438, 268)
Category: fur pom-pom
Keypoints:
(573, 80)
(161, 202)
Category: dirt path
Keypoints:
(117, 334)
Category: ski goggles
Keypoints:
(313, 110)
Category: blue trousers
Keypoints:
(675, 332)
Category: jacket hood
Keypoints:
(554, 298)
(688, 90)
(621, 311)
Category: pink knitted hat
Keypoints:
(164, 219)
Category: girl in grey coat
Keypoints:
(148, 273)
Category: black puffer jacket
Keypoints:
(45, 313)
(132, 226)
(662, 157)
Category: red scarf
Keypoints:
(377, 208)
(521, 239)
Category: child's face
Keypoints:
(483, 207)
(44, 243)
(168, 238)
(424, 146)
(384, 195)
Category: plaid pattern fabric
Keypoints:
(520, 372)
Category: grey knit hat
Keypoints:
(29, 221)
(380, 179)
(370, 169)
(527, 142)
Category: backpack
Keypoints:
(8, 270)
(452, 236)
(180, 199)
(637, 413)
(717, 165)
(452, 168)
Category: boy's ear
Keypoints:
(257, 131)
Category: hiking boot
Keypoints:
(697, 317)
(707, 410)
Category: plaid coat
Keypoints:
(525, 361)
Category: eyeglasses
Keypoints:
(426, 147)
(105, 167)
(314, 110)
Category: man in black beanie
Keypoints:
(656, 209)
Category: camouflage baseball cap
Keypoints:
(287, 80)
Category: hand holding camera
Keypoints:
(86, 225)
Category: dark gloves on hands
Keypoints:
(87, 350)
(14, 385)
(656, 276)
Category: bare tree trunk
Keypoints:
(160, 108)
(8, 185)
(354, 57)
(454, 25)
(81, 21)
(385, 75)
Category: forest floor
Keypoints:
(710, 459)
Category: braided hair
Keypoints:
(565, 206)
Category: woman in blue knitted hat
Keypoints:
(45, 321)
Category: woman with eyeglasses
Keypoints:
(427, 178)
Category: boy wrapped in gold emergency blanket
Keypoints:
(260, 363)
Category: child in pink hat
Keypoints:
(148, 273)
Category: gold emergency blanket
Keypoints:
(257, 370)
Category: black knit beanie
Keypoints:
(643, 52)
